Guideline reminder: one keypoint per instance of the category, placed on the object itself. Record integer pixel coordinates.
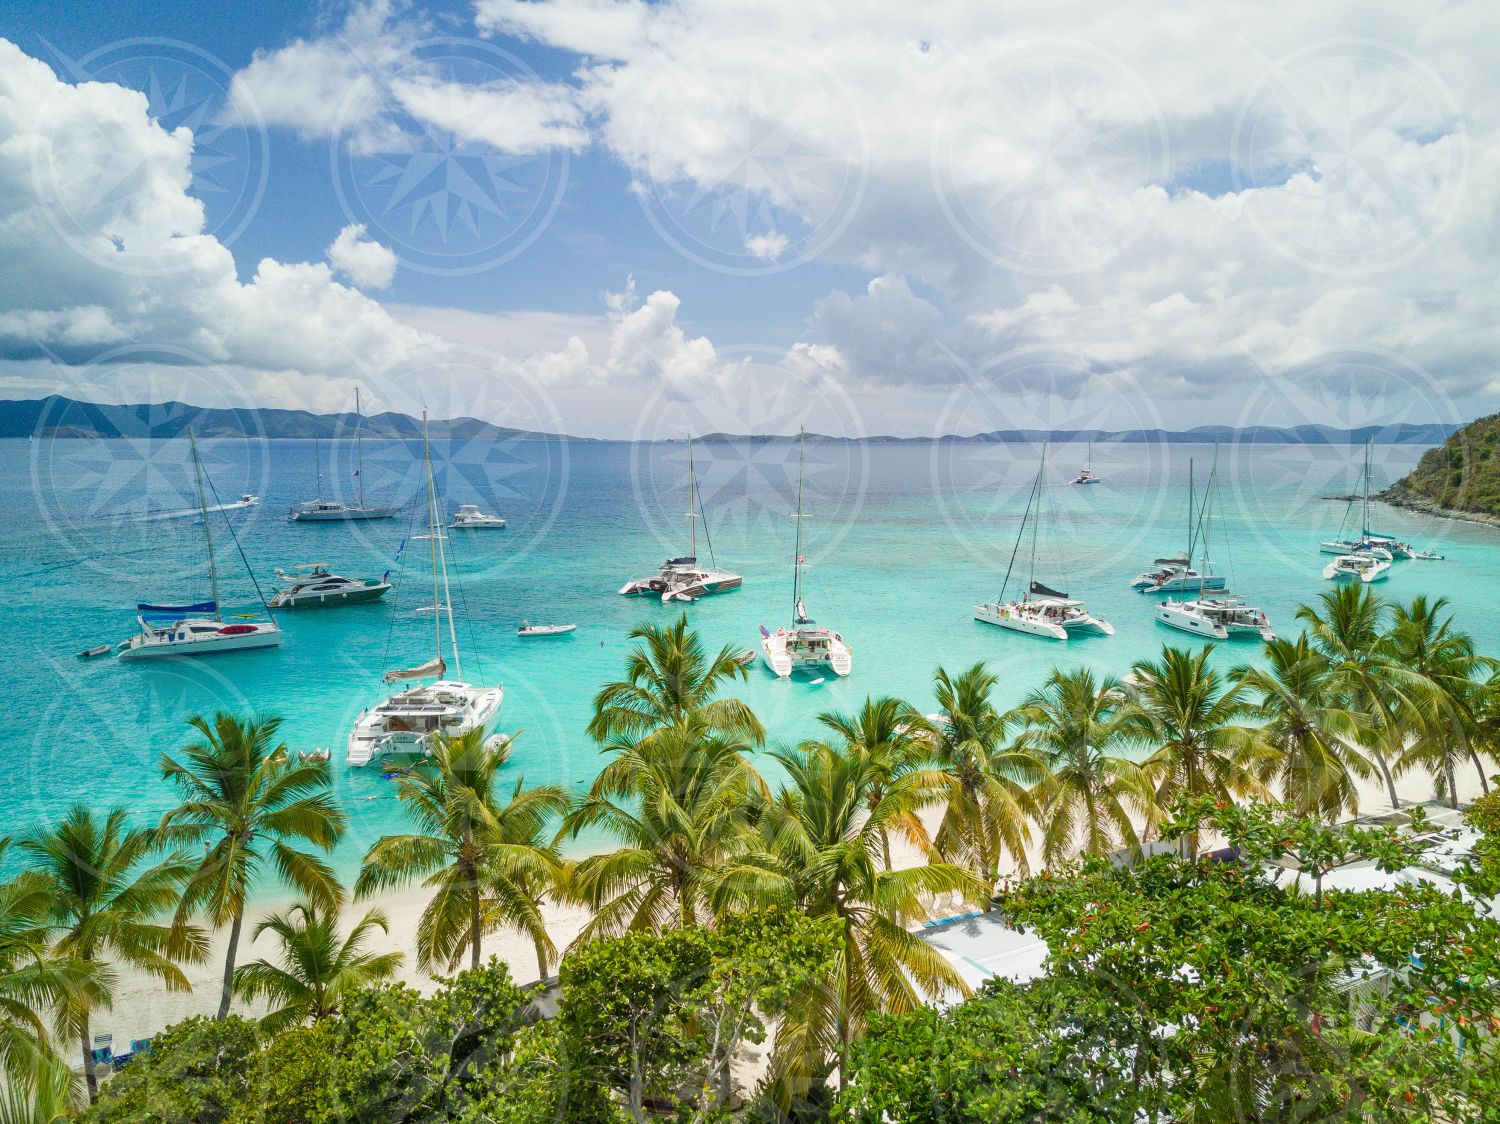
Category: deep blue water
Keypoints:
(904, 539)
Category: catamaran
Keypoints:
(313, 586)
(1364, 567)
(1385, 547)
(1177, 574)
(199, 628)
(1224, 617)
(322, 510)
(470, 518)
(1087, 475)
(407, 723)
(806, 644)
(685, 579)
(1041, 610)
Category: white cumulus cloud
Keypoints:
(364, 261)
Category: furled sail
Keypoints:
(431, 669)
(176, 612)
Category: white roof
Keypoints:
(981, 946)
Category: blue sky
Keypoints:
(633, 218)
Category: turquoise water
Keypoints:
(904, 538)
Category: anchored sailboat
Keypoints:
(199, 629)
(408, 721)
(333, 511)
(1041, 610)
(684, 579)
(1383, 547)
(1178, 574)
(806, 643)
(1087, 475)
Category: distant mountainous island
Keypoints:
(56, 416)
(1460, 477)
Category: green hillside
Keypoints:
(1461, 475)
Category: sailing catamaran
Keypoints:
(684, 579)
(408, 721)
(806, 643)
(1087, 475)
(1177, 574)
(1041, 610)
(198, 629)
(333, 511)
(1384, 547)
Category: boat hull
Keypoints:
(329, 600)
(141, 647)
(1187, 622)
(1005, 617)
(349, 515)
(783, 654)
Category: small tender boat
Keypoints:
(745, 658)
(319, 754)
(315, 588)
(470, 518)
(1363, 567)
(1428, 555)
(96, 650)
(529, 629)
(1217, 618)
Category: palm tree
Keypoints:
(105, 888)
(821, 853)
(1347, 627)
(988, 784)
(678, 804)
(1441, 696)
(1193, 715)
(889, 734)
(668, 679)
(1315, 739)
(487, 859)
(1074, 725)
(317, 970)
(246, 802)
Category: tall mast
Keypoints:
(1192, 526)
(1037, 521)
(318, 464)
(439, 605)
(692, 503)
(1205, 514)
(797, 556)
(359, 455)
(208, 536)
(1364, 515)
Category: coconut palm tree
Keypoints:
(1316, 740)
(1347, 626)
(677, 804)
(1091, 796)
(488, 859)
(107, 888)
(820, 852)
(890, 735)
(1195, 718)
(668, 678)
(247, 802)
(1442, 686)
(317, 969)
(987, 783)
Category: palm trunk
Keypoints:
(1484, 784)
(474, 925)
(1390, 781)
(1452, 782)
(227, 991)
(91, 1079)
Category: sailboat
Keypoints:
(1383, 547)
(1087, 475)
(408, 721)
(806, 643)
(199, 628)
(1178, 574)
(684, 579)
(1041, 610)
(321, 510)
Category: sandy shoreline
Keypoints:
(143, 1008)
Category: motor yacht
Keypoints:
(469, 517)
(313, 586)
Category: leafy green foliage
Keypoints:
(200, 1070)
(1462, 474)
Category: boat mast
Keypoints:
(318, 464)
(440, 597)
(692, 504)
(208, 536)
(1192, 526)
(797, 555)
(1036, 523)
(359, 456)
(1364, 514)
(1205, 514)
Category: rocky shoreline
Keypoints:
(1427, 507)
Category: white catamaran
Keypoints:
(198, 629)
(685, 579)
(1178, 574)
(1041, 610)
(333, 511)
(408, 721)
(806, 644)
(1383, 547)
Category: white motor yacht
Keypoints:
(529, 629)
(408, 722)
(313, 586)
(806, 644)
(1363, 567)
(469, 517)
(322, 510)
(685, 578)
(1218, 618)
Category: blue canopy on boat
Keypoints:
(176, 612)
